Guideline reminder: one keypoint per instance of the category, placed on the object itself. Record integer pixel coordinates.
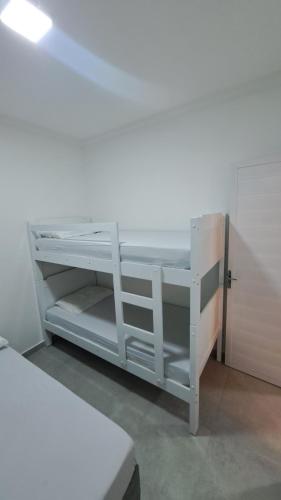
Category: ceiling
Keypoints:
(109, 63)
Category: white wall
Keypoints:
(155, 175)
(39, 177)
(160, 174)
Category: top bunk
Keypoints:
(101, 246)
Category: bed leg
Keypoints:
(48, 337)
(194, 414)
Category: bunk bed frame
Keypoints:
(205, 328)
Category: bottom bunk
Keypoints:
(97, 324)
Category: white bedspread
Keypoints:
(165, 248)
(55, 446)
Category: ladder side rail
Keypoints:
(39, 285)
(117, 283)
(158, 324)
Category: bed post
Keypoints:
(39, 287)
(195, 306)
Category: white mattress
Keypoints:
(165, 248)
(53, 444)
(98, 324)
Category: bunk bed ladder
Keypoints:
(154, 303)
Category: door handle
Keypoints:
(229, 278)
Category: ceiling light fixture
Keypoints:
(26, 19)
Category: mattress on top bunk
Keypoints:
(98, 325)
(54, 445)
(165, 248)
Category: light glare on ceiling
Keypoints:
(26, 19)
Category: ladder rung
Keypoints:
(137, 300)
(138, 333)
(141, 271)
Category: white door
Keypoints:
(253, 340)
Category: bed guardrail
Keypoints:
(109, 227)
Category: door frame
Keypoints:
(231, 243)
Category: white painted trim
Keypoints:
(79, 227)
(138, 333)
(38, 282)
(210, 101)
(231, 265)
(137, 300)
(39, 130)
(95, 264)
(194, 329)
(202, 103)
(87, 344)
(254, 162)
(158, 324)
(34, 348)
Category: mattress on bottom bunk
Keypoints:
(54, 445)
(98, 325)
(165, 248)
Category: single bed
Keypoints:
(163, 248)
(98, 324)
(56, 446)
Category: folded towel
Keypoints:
(84, 298)
(3, 342)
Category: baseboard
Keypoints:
(35, 348)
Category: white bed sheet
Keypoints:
(165, 248)
(98, 324)
(53, 444)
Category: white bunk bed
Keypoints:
(164, 344)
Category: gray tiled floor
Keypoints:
(237, 453)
